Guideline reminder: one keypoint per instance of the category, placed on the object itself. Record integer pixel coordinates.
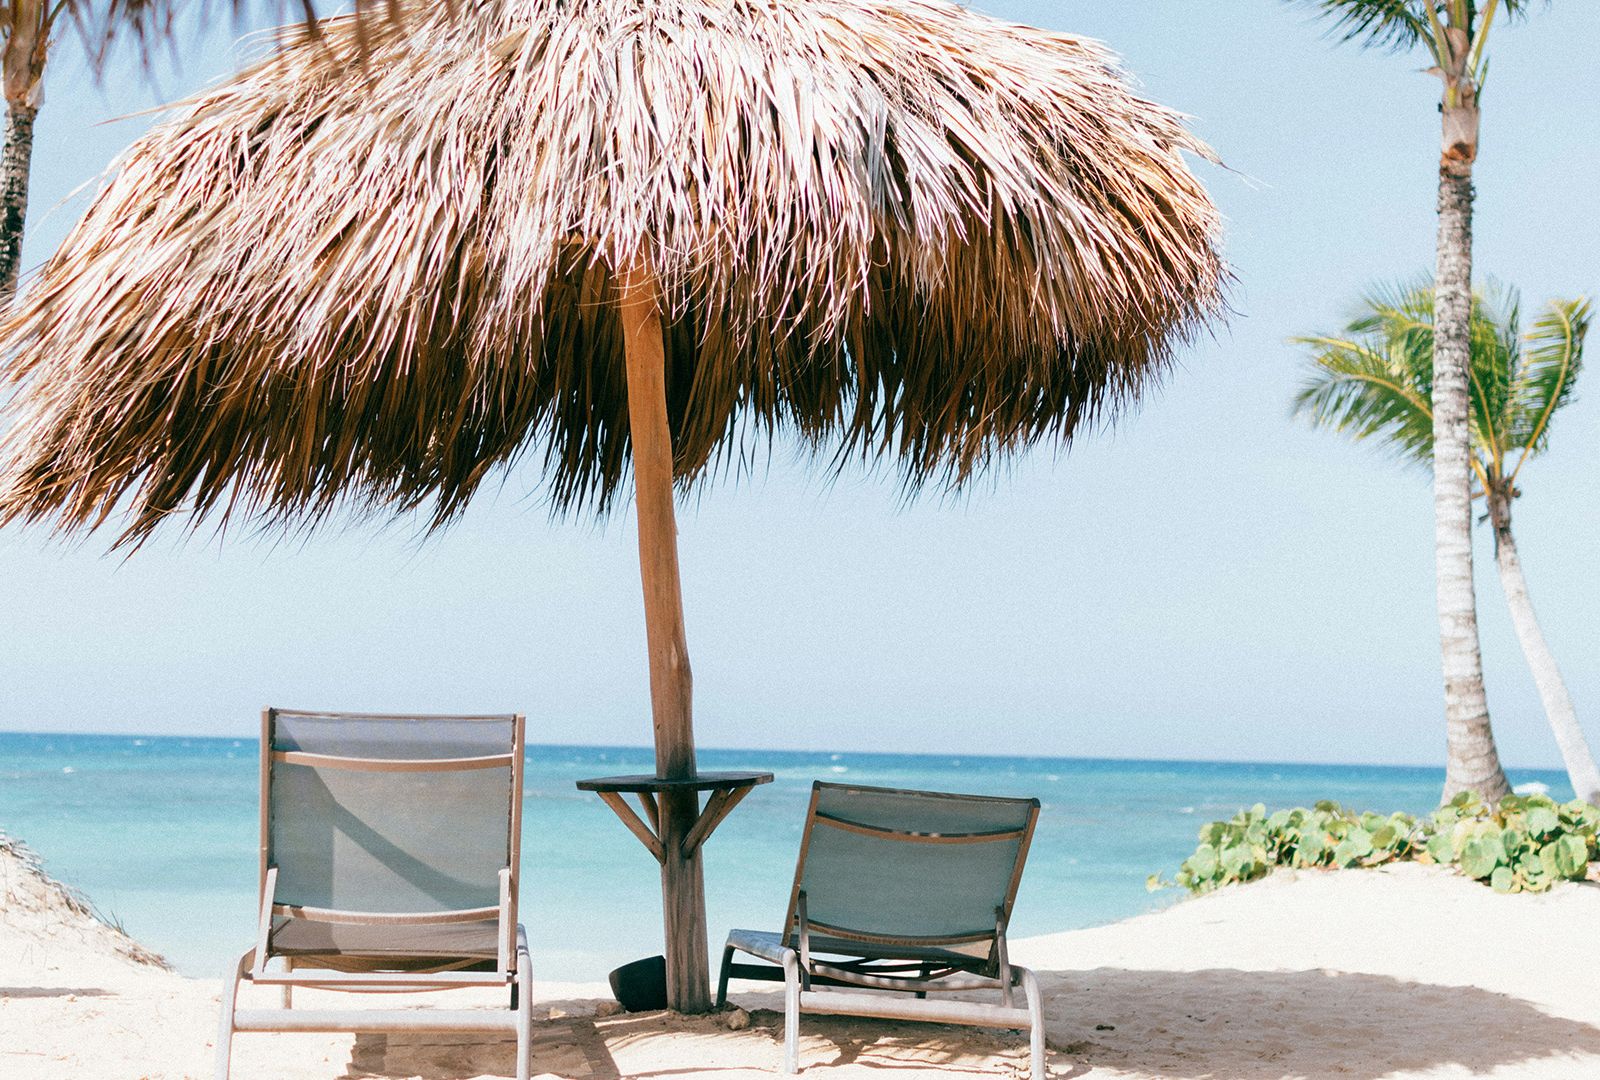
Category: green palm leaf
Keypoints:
(1385, 24)
(1401, 313)
(1401, 25)
(1496, 347)
(1552, 355)
(1374, 379)
(1365, 387)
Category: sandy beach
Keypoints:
(1407, 971)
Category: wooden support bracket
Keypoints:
(726, 792)
(635, 826)
(718, 807)
(652, 809)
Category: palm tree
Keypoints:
(1375, 380)
(1455, 34)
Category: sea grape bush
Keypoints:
(1525, 844)
(1253, 843)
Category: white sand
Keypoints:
(1403, 972)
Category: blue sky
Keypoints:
(1209, 580)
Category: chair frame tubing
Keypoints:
(894, 991)
(799, 996)
(513, 964)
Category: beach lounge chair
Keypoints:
(389, 862)
(905, 894)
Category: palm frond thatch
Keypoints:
(379, 270)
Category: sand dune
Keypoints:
(1398, 973)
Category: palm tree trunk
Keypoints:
(15, 161)
(1575, 752)
(22, 73)
(1473, 763)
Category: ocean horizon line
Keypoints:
(918, 755)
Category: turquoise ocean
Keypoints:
(160, 833)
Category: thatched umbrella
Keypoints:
(384, 263)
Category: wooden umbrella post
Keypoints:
(683, 897)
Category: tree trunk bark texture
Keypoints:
(1558, 707)
(22, 74)
(15, 161)
(683, 900)
(1473, 763)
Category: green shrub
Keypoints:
(1526, 844)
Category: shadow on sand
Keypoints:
(587, 1049)
(1267, 1025)
(1182, 1025)
(19, 992)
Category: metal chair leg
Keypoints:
(791, 1012)
(230, 995)
(1030, 989)
(524, 1011)
(722, 980)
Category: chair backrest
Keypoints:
(390, 815)
(912, 868)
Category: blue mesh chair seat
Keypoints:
(389, 862)
(373, 947)
(769, 945)
(904, 893)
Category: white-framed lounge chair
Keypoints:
(905, 894)
(389, 862)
